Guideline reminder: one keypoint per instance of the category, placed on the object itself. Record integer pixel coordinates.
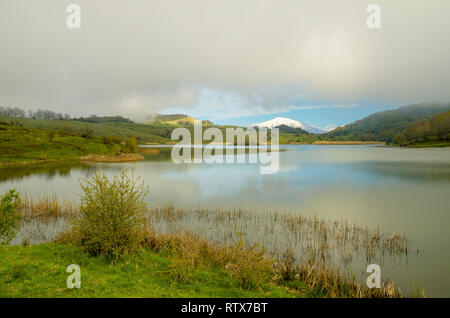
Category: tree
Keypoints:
(9, 216)
(131, 144)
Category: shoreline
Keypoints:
(118, 158)
(349, 143)
(87, 159)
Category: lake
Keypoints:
(394, 189)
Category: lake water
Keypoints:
(406, 190)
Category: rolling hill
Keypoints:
(99, 128)
(383, 126)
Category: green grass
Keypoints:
(40, 271)
(25, 145)
(144, 133)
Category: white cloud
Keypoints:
(330, 127)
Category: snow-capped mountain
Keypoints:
(278, 121)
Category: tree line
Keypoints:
(16, 112)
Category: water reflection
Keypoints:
(392, 188)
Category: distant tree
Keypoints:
(14, 112)
(131, 144)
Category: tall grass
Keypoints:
(46, 207)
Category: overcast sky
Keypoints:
(233, 61)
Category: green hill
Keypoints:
(433, 132)
(99, 127)
(21, 145)
(383, 126)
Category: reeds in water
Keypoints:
(46, 207)
(311, 237)
(321, 250)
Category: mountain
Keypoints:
(282, 121)
(433, 131)
(383, 126)
(174, 120)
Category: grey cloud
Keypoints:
(137, 56)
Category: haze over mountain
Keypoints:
(174, 119)
(282, 121)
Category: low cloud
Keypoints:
(257, 56)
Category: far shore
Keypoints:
(28, 163)
(322, 142)
(89, 158)
(146, 149)
(349, 143)
(119, 158)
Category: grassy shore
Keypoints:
(169, 266)
(40, 271)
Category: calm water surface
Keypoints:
(405, 190)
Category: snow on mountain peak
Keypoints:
(278, 121)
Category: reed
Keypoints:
(332, 241)
(254, 268)
(328, 241)
(46, 207)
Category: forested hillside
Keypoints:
(434, 131)
(383, 126)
